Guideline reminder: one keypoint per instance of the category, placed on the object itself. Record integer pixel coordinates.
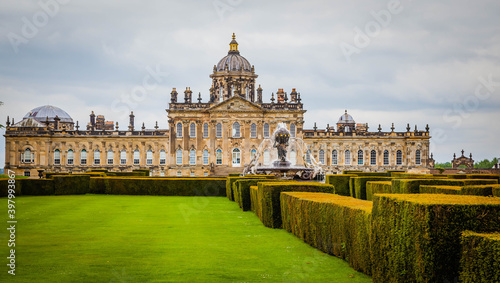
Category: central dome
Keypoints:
(233, 60)
(346, 119)
(48, 112)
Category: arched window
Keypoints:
(70, 157)
(308, 156)
(26, 156)
(218, 157)
(399, 157)
(57, 157)
(266, 130)
(386, 157)
(322, 157)
(335, 157)
(236, 130)
(149, 157)
(137, 157)
(360, 157)
(347, 129)
(267, 157)
(192, 157)
(293, 157)
(179, 157)
(179, 130)
(97, 157)
(163, 157)
(347, 159)
(192, 130)
(253, 131)
(205, 131)
(83, 157)
(221, 92)
(206, 157)
(292, 130)
(418, 160)
(123, 157)
(110, 157)
(253, 152)
(236, 157)
(218, 130)
(373, 157)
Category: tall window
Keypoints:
(205, 131)
(335, 157)
(205, 157)
(399, 157)
(373, 157)
(137, 157)
(192, 130)
(308, 156)
(70, 157)
(218, 157)
(149, 157)
(266, 130)
(179, 130)
(221, 92)
(110, 157)
(83, 157)
(26, 156)
(267, 157)
(347, 157)
(347, 129)
(417, 157)
(253, 152)
(236, 130)
(322, 157)
(192, 157)
(163, 157)
(293, 157)
(178, 157)
(253, 131)
(360, 157)
(97, 157)
(57, 157)
(292, 130)
(386, 157)
(123, 157)
(236, 157)
(218, 130)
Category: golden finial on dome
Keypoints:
(234, 36)
(233, 46)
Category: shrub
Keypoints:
(359, 184)
(398, 175)
(48, 175)
(36, 187)
(231, 179)
(377, 187)
(416, 237)
(241, 190)
(496, 191)
(479, 190)
(388, 173)
(268, 195)
(480, 261)
(255, 205)
(447, 190)
(71, 184)
(340, 183)
(411, 186)
(141, 172)
(334, 224)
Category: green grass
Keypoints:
(101, 238)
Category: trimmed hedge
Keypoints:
(480, 260)
(71, 184)
(36, 187)
(241, 191)
(255, 204)
(377, 187)
(231, 179)
(49, 175)
(398, 175)
(340, 183)
(159, 186)
(496, 191)
(334, 224)
(447, 190)
(268, 195)
(411, 186)
(474, 176)
(416, 237)
(359, 184)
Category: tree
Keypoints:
(486, 164)
(443, 165)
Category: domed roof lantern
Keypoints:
(233, 46)
(346, 119)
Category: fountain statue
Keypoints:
(283, 150)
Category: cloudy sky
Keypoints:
(417, 62)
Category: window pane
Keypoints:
(205, 157)
(373, 157)
(123, 157)
(110, 157)
(360, 157)
(218, 156)
(57, 157)
(97, 157)
(322, 157)
(266, 130)
(218, 130)
(179, 157)
(137, 157)
(83, 157)
(292, 130)
(399, 157)
(192, 130)
(149, 157)
(70, 157)
(386, 157)
(236, 130)
(347, 157)
(417, 157)
(334, 157)
(179, 130)
(308, 156)
(253, 131)
(163, 157)
(192, 157)
(205, 130)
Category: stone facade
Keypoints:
(206, 138)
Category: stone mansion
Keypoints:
(208, 138)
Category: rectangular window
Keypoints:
(205, 131)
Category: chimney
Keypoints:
(56, 122)
(173, 96)
(92, 121)
(293, 96)
(187, 95)
(131, 123)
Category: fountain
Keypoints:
(285, 164)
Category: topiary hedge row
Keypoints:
(435, 189)
(496, 191)
(268, 194)
(71, 184)
(340, 183)
(377, 187)
(411, 186)
(254, 199)
(359, 185)
(241, 190)
(231, 179)
(480, 261)
(399, 175)
(334, 224)
(416, 237)
(478, 190)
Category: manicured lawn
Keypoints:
(100, 238)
